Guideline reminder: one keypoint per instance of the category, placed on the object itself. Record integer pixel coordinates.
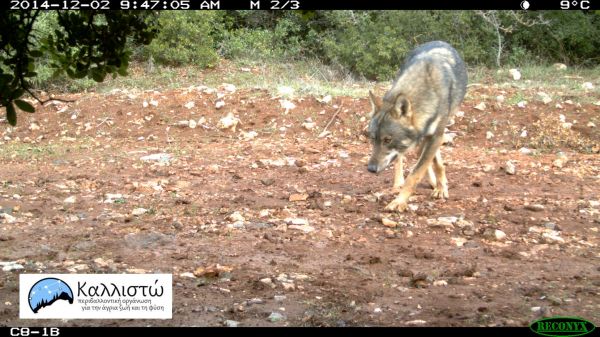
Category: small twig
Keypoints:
(470, 85)
(332, 118)
(217, 136)
(105, 119)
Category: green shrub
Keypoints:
(260, 34)
(374, 43)
(573, 37)
(184, 38)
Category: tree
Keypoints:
(90, 43)
(499, 22)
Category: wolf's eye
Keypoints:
(387, 140)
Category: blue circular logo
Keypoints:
(47, 291)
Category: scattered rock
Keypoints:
(275, 316)
(266, 281)
(162, 157)
(525, 150)
(298, 222)
(388, 223)
(300, 163)
(416, 322)
(587, 86)
(510, 168)
(248, 135)
(557, 163)
(228, 122)
(298, 197)
(534, 208)
(231, 323)
(287, 105)
(468, 231)
(229, 87)
(303, 228)
(10, 266)
(235, 217)
(560, 66)
(325, 99)
(139, 211)
(480, 106)
(309, 126)
(285, 91)
(552, 239)
(494, 234)
(212, 270)
(516, 74)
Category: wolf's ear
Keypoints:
(376, 103)
(402, 108)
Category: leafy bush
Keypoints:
(184, 38)
(573, 37)
(374, 43)
(260, 34)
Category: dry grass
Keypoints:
(551, 131)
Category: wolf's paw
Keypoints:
(440, 193)
(396, 205)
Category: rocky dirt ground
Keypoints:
(270, 225)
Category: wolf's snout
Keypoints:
(372, 168)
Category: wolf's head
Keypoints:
(391, 131)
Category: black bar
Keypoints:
(300, 4)
(187, 331)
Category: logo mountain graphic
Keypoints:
(47, 291)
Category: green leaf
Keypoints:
(36, 53)
(6, 78)
(122, 72)
(81, 74)
(97, 76)
(11, 114)
(18, 93)
(59, 33)
(57, 73)
(30, 74)
(70, 73)
(24, 106)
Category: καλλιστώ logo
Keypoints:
(47, 291)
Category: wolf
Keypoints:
(427, 92)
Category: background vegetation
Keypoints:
(369, 44)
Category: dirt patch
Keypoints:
(502, 250)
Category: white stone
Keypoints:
(516, 74)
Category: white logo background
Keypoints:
(105, 296)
